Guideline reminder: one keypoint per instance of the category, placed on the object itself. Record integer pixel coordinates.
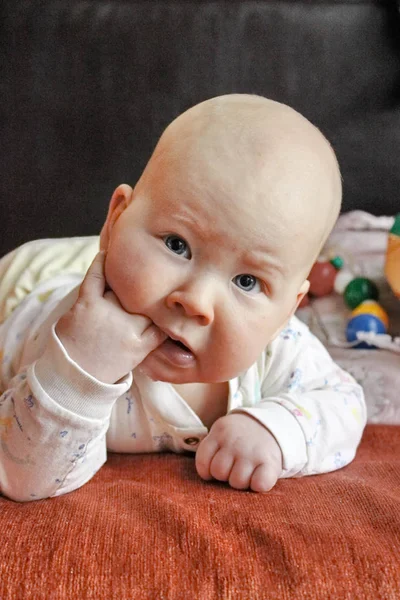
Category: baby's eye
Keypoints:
(247, 283)
(177, 245)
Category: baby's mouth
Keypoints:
(177, 353)
(179, 344)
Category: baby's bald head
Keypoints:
(262, 152)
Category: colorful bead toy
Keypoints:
(363, 322)
(359, 293)
(343, 277)
(358, 290)
(322, 278)
(371, 307)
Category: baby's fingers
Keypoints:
(204, 455)
(94, 282)
(264, 478)
(241, 474)
(151, 338)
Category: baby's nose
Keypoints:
(194, 303)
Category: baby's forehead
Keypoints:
(254, 156)
(251, 135)
(253, 174)
(224, 203)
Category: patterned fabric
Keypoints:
(57, 421)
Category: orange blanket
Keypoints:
(146, 527)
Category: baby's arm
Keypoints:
(53, 414)
(309, 406)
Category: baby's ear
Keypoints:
(120, 199)
(305, 286)
(300, 295)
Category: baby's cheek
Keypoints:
(118, 279)
(236, 352)
(251, 339)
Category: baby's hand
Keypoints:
(99, 335)
(240, 450)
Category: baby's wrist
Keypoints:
(63, 381)
(84, 353)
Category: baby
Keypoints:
(181, 335)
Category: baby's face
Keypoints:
(209, 263)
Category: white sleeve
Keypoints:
(315, 410)
(53, 415)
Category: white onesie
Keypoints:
(57, 421)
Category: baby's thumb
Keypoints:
(94, 282)
(151, 339)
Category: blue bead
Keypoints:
(363, 322)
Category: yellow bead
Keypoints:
(371, 307)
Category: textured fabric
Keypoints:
(24, 268)
(147, 528)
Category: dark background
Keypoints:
(88, 86)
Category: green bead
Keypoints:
(337, 262)
(396, 225)
(358, 290)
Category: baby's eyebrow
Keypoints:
(192, 223)
(268, 264)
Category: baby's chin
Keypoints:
(154, 372)
(156, 376)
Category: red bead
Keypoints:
(322, 278)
